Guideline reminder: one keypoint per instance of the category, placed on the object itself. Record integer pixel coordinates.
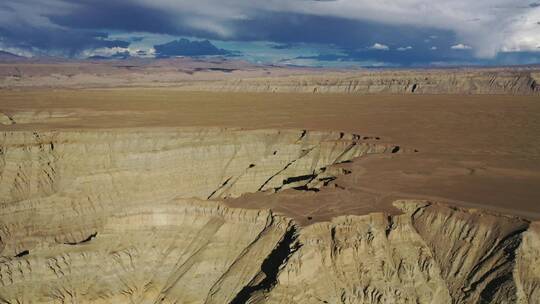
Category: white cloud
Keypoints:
(434, 48)
(488, 26)
(404, 48)
(15, 50)
(107, 52)
(460, 46)
(379, 47)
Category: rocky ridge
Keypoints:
(231, 76)
(135, 216)
(398, 82)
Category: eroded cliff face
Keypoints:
(167, 252)
(136, 217)
(398, 82)
(430, 254)
(96, 173)
(226, 76)
(527, 272)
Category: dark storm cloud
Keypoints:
(351, 26)
(287, 28)
(283, 28)
(130, 16)
(117, 15)
(24, 25)
(280, 27)
(66, 42)
(354, 43)
(184, 47)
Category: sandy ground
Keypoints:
(479, 151)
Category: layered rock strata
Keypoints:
(136, 217)
(230, 77)
(399, 82)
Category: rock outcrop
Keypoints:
(527, 272)
(430, 254)
(136, 216)
(231, 76)
(398, 82)
(96, 173)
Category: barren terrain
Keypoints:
(224, 75)
(165, 195)
(481, 150)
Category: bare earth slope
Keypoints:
(166, 196)
(238, 76)
(119, 216)
(385, 82)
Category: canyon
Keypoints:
(250, 190)
(142, 217)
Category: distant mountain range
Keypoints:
(8, 57)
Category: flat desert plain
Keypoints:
(165, 195)
(470, 150)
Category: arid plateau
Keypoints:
(183, 181)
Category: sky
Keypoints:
(340, 33)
